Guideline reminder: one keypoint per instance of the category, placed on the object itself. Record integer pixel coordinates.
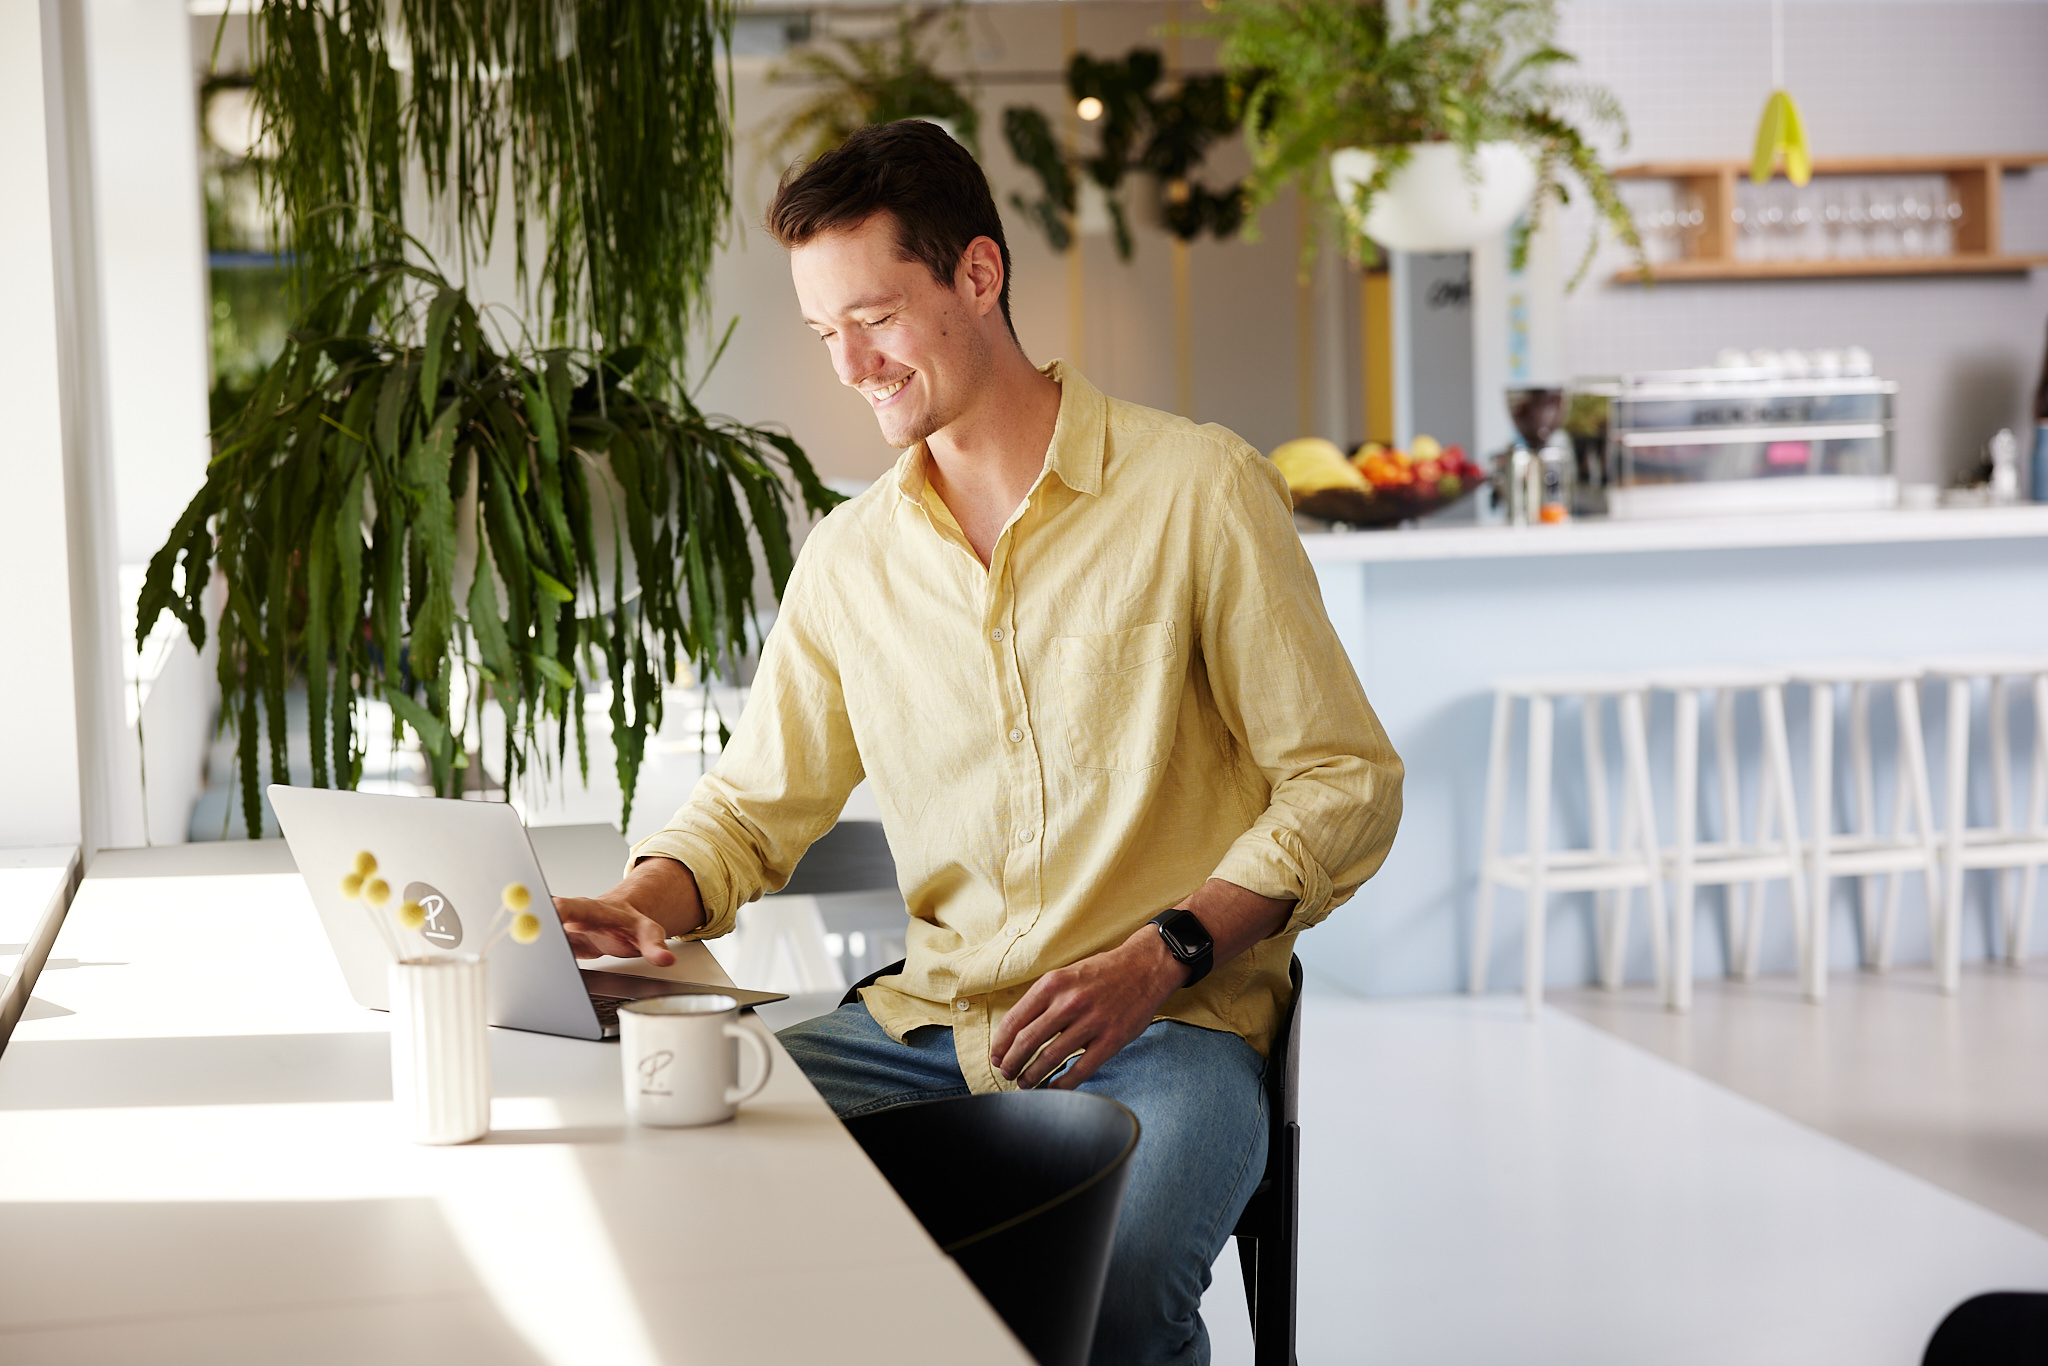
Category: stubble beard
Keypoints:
(970, 374)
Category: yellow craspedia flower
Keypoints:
(525, 928)
(411, 914)
(366, 863)
(517, 898)
(376, 891)
(352, 886)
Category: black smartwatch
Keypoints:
(1187, 939)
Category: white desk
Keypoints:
(199, 1163)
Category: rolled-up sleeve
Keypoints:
(1287, 691)
(784, 777)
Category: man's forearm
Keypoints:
(1235, 918)
(665, 891)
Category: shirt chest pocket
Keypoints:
(1119, 697)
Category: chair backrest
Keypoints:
(1283, 1059)
(1022, 1189)
(853, 856)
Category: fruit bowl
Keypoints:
(1382, 507)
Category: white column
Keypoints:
(60, 708)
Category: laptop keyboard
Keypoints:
(608, 1011)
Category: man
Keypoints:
(1075, 648)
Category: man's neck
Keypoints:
(984, 463)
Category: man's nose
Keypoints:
(854, 359)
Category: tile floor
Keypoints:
(1950, 1088)
(1478, 1188)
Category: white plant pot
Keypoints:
(440, 1048)
(1430, 204)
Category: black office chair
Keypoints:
(2003, 1328)
(1022, 1189)
(1268, 1232)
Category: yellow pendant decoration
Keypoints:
(1782, 131)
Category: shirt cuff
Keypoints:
(714, 885)
(1275, 863)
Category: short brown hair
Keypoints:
(912, 170)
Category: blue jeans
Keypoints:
(1201, 1108)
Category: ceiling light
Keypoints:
(1090, 109)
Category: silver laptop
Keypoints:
(454, 858)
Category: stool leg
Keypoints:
(1685, 819)
(1540, 719)
(1808, 929)
(1635, 747)
(1741, 910)
(1822, 756)
(2037, 811)
(1866, 812)
(1610, 935)
(2001, 804)
(1626, 840)
(1949, 931)
(1490, 837)
(1766, 824)
(1913, 747)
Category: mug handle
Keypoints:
(734, 1095)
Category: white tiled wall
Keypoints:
(1906, 77)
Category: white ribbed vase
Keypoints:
(440, 1048)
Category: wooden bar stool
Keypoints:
(1774, 855)
(1607, 868)
(1864, 853)
(2004, 844)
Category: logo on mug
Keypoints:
(651, 1068)
(444, 927)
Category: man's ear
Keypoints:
(980, 277)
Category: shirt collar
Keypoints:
(1078, 437)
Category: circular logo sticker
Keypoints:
(444, 927)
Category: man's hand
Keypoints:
(1095, 1006)
(657, 898)
(1099, 1004)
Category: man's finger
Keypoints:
(653, 943)
(1027, 1009)
(1031, 1039)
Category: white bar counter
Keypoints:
(1600, 537)
(199, 1162)
(1431, 616)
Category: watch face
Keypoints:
(1185, 935)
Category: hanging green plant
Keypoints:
(377, 458)
(1139, 126)
(600, 125)
(878, 80)
(1327, 75)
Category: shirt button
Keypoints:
(1016, 735)
(962, 1006)
(996, 634)
(1027, 837)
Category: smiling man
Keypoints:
(1077, 652)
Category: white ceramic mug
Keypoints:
(682, 1060)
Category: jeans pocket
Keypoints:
(1120, 696)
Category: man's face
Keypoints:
(915, 349)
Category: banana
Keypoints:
(1311, 464)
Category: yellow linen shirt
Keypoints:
(1141, 691)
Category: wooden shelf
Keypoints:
(1975, 182)
(1971, 264)
(1687, 170)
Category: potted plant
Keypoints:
(1162, 133)
(1429, 135)
(878, 80)
(401, 432)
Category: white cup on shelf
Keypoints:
(681, 1060)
